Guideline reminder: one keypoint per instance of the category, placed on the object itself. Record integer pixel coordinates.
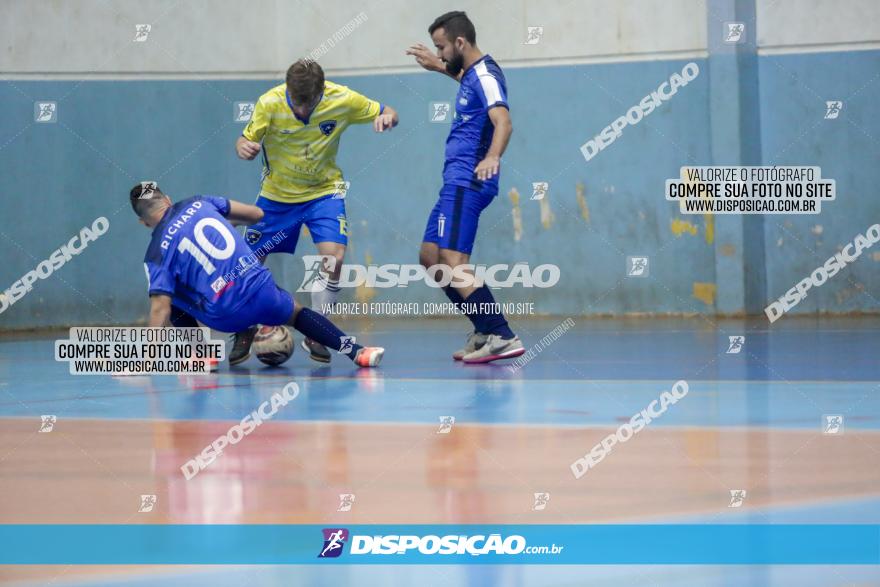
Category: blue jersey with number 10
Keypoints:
(201, 261)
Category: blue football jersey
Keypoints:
(482, 87)
(198, 258)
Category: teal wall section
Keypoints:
(794, 89)
(57, 178)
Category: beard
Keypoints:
(456, 64)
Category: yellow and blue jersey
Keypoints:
(299, 156)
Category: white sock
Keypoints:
(324, 294)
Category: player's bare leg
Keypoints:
(429, 254)
(322, 331)
(325, 293)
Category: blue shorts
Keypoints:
(278, 231)
(267, 304)
(454, 219)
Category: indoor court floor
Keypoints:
(752, 421)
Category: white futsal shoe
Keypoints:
(496, 348)
(474, 341)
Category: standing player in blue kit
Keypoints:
(479, 135)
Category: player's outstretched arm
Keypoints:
(240, 213)
(387, 120)
(491, 164)
(160, 310)
(429, 60)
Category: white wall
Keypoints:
(265, 36)
(96, 36)
(262, 37)
(817, 24)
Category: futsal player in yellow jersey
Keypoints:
(297, 126)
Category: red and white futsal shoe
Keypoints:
(369, 356)
(494, 349)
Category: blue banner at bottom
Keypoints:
(441, 544)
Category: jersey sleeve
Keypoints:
(361, 109)
(490, 91)
(256, 128)
(160, 281)
(222, 204)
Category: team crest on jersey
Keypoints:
(327, 127)
(252, 236)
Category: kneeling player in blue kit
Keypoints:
(198, 267)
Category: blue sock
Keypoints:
(490, 321)
(456, 299)
(322, 330)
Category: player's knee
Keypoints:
(334, 267)
(452, 258)
(426, 259)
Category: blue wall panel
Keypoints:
(57, 178)
(794, 89)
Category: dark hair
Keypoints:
(305, 80)
(145, 197)
(456, 24)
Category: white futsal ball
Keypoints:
(273, 344)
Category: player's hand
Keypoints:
(488, 168)
(383, 122)
(426, 58)
(247, 149)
